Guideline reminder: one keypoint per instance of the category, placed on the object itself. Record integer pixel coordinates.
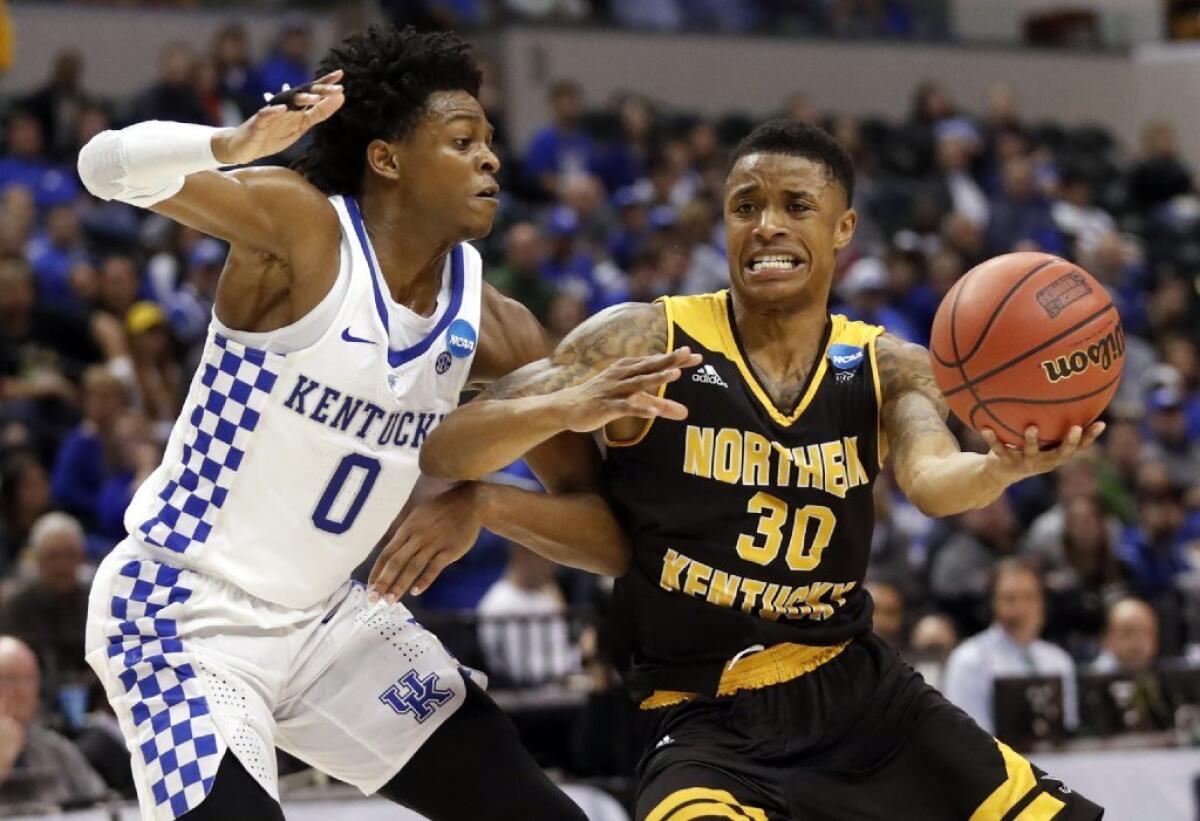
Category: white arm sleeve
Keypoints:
(145, 163)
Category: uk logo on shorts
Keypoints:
(461, 338)
(417, 696)
(845, 357)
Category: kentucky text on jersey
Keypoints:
(363, 419)
(747, 458)
(816, 601)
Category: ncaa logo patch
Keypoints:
(845, 357)
(460, 338)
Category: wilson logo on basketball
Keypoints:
(1100, 354)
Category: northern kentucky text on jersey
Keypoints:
(769, 600)
(747, 458)
(361, 418)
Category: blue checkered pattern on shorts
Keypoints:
(235, 383)
(176, 737)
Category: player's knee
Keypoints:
(700, 804)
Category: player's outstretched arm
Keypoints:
(170, 168)
(936, 476)
(571, 523)
(606, 370)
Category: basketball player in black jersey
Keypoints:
(747, 625)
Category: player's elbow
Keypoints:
(615, 562)
(440, 461)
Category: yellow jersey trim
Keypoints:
(775, 665)
(662, 389)
(705, 318)
(880, 440)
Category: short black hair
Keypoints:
(389, 74)
(800, 140)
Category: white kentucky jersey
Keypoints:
(285, 469)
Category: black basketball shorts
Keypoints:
(860, 737)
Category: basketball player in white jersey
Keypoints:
(350, 315)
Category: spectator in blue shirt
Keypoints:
(633, 228)
(174, 95)
(288, 62)
(81, 465)
(134, 454)
(571, 267)
(560, 147)
(24, 163)
(1022, 214)
(865, 290)
(53, 253)
(238, 83)
(1152, 551)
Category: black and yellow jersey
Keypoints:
(751, 524)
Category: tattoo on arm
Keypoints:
(631, 329)
(913, 405)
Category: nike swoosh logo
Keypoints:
(349, 337)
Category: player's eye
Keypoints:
(799, 207)
(462, 142)
(744, 209)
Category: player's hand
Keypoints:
(1016, 463)
(436, 533)
(275, 127)
(627, 387)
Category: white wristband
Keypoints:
(145, 163)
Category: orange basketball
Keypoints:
(1027, 339)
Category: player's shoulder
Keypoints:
(902, 365)
(290, 195)
(846, 331)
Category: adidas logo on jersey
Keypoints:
(709, 376)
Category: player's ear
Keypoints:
(843, 232)
(383, 160)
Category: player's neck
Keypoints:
(780, 343)
(411, 254)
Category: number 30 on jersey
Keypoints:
(803, 550)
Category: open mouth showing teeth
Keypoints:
(774, 262)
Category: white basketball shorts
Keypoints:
(195, 667)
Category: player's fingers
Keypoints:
(1070, 444)
(1092, 434)
(436, 565)
(994, 444)
(648, 406)
(1031, 442)
(331, 77)
(390, 564)
(324, 109)
(650, 381)
(404, 582)
(679, 358)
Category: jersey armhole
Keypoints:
(662, 389)
(880, 442)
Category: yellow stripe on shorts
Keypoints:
(1042, 808)
(1019, 782)
(701, 802)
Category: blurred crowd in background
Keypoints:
(104, 308)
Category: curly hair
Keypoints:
(800, 140)
(389, 74)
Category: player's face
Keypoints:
(448, 166)
(785, 220)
